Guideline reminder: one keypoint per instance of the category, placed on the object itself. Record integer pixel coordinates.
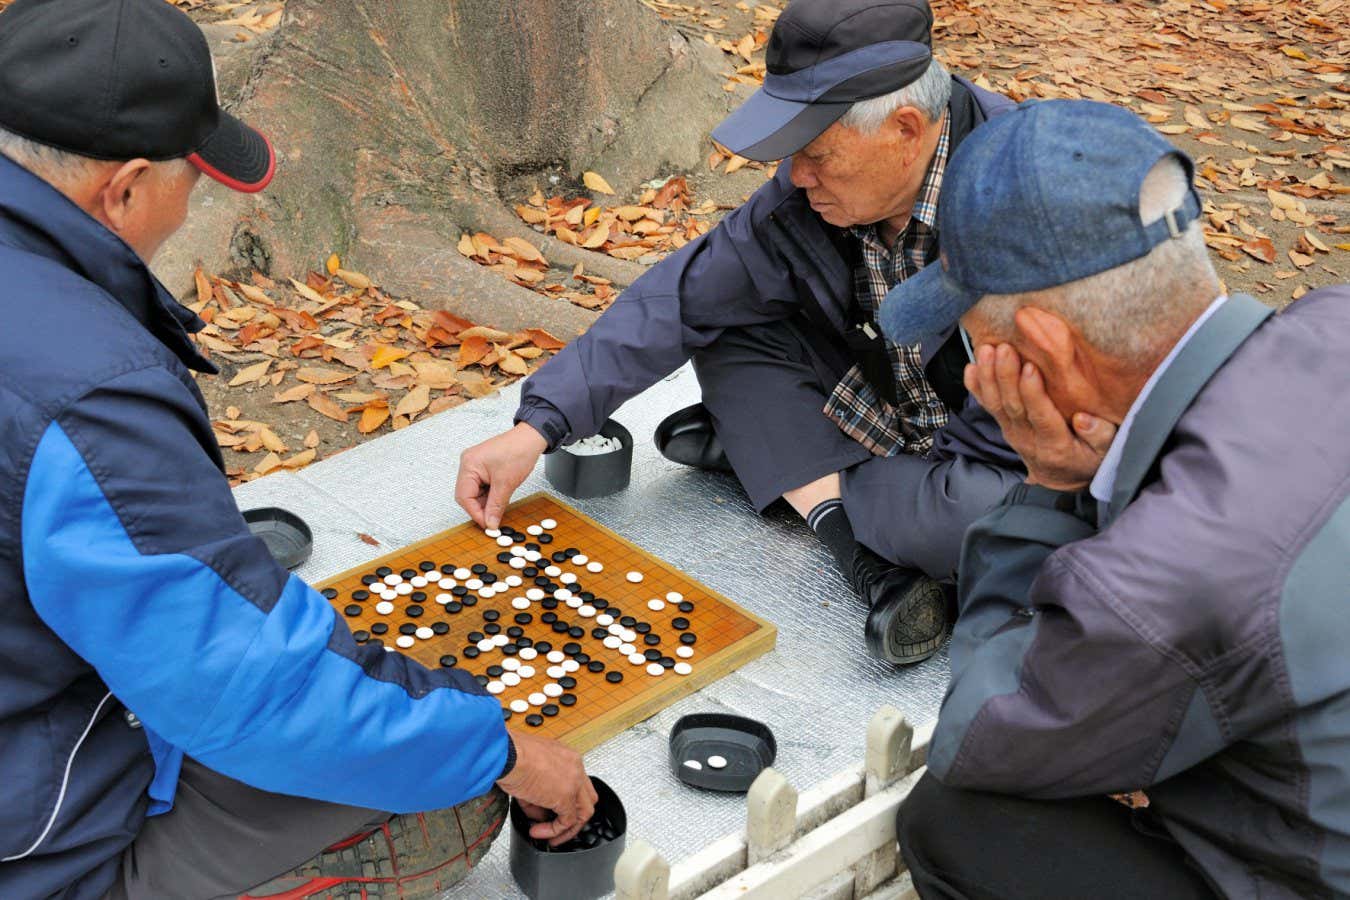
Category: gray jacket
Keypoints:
(1193, 636)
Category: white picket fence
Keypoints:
(835, 841)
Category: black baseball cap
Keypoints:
(823, 56)
(122, 79)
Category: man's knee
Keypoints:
(918, 815)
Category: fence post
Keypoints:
(772, 815)
(889, 738)
(641, 874)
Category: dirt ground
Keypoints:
(1255, 92)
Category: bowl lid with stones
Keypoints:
(720, 752)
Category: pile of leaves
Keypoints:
(355, 356)
(661, 221)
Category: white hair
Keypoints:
(60, 168)
(1134, 311)
(930, 94)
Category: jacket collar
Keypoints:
(1207, 351)
(37, 218)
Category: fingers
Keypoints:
(498, 495)
(1007, 375)
(987, 384)
(1096, 433)
(1040, 410)
(469, 491)
(533, 811)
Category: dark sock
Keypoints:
(830, 523)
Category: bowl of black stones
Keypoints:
(582, 868)
(595, 466)
(720, 752)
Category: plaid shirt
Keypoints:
(854, 405)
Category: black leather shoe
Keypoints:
(910, 618)
(687, 437)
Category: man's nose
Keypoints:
(802, 174)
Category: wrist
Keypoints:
(531, 437)
(510, 764)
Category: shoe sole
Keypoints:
(890, 628)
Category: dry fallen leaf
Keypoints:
(312, 439)
(326, 405)
(367, 539)
(386, 354)
(472, 350)
(596, 183)
(314, 375)
(414, 401)
(251, 374)
(372, 417)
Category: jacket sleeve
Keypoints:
(1054, 693)
(728, 277)
(135, 554)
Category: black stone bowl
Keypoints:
(592, 476)
(285, 534)
(581, 869)
(747, 746)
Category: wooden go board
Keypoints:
(725, 635)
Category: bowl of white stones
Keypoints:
(595, 466)
(720, 752)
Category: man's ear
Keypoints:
(909, 124)
(1047, 340)
(125, 186)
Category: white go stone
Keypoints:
(403, 589)
(567, 578)
(504, 541)
(518, 563)
(637, 659)
(500, 640)
(604, 620)
(717, 762)
(683, 668)
(674, 597)
(656, 605)
(487, 593)
(552, 571)
(594, 567)
(535, 593)
(384, 607)
(655, 669)
(533, 555)
(501, 587)
(486, 645)
(615, 628)
(514, 581)
(519, 706)
(690, 764)
(527, 671)
(555, 671)
(474, 584)
(419, 581)
(510, 679)
(528, 653)
(553, 690)
(462, 573)
(549, 524)
(575, 602)
(388, 594)
(685, 652)
(388, 649)
(538, 698)
(629, 635)
(510, 664)
(425, 633)
(405, 641)
(492, 532)
(634, 577)
(571, 665)
(534, 530)
(612, 642)
(579, 560)
(586, 611)
(393, 579)
(446, 584)
(628, 649)
(443, 599)
(495, 687)
(556, 656)
(520, 603)
(562, 594)
(518, 550)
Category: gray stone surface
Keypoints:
(817, 690)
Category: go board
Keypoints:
(550, 616)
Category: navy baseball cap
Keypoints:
(122, 79)
(1038, 197)
(823, 56)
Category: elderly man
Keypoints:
(179, 717)
(875, 445)
(1162, 604)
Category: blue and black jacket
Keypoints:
(139, 619)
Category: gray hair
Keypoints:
(930, 95)
(58, 167)
(1134, 311)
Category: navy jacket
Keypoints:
(764, 262)
(1189, 637)
(139, 619)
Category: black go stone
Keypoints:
(471, 652)
(688, 638)
(524, 642)
(599, 633)
(418, 596)
(667, 662)
(686, 606)
(571, 552)
(481, 679)
(543, 647)
(615, 612)
(529, 572)
(383, 571)
(541, 581)
(595, 665)
(651, 640)
(628, 621)
(379, 628)
(492, 628)
(567, 682)
(353, 610)
(576, 631)
(448, 660)
(510, 649)
(599, 603)
(560, 557)
(469, 600)
(571, 649)
(549, 709)
(679, 623)
(408, 573)
(489, 578)
(407, 628)
(474, 636)
(586, 596)
(549, 618)
(453, 607)
(549, 603)
(459, 590)
(440, 627)
(533, 546)
(568, 699)
(506, 714)
(414, 611)
(560, 628)
(369, 579)
(515, 631)
(495, 671)
(545, 538)
(448, 569)
(478, 569)
(581, 658)
(504, 558)
(614, 677)
(330, 593)
(524, 618)
(360, 595)
(360, 636)
(491, 615)
(652, 655)
(534, 720)
(426, 565)
(642, 628)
